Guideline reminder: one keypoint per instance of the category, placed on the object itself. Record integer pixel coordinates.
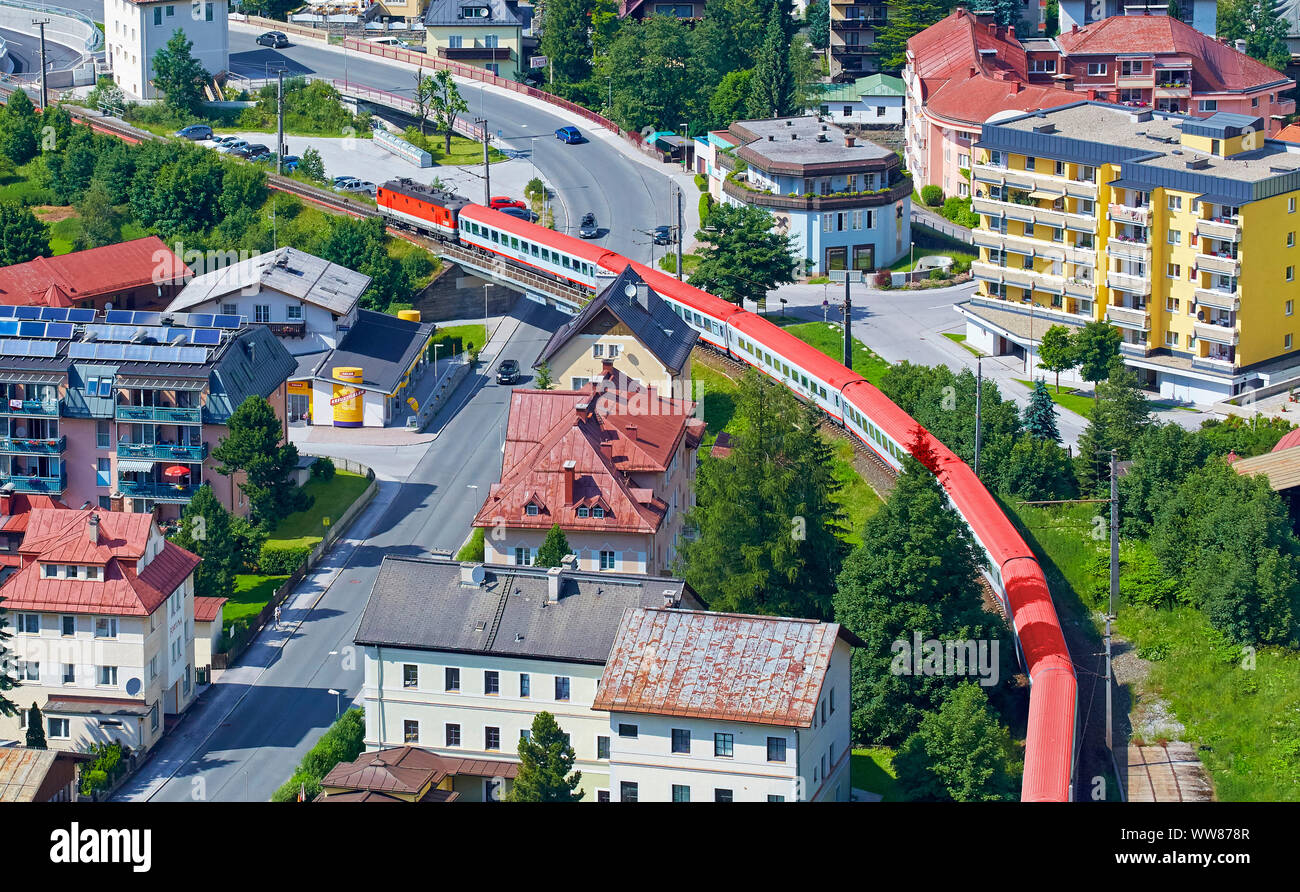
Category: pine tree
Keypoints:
(22, 236)
(35, 729)
(254, 444)
(1120, 414)
(1039, 417)
(205, 530)
(545, 760)
(907, 18)
(20, 128)
(7, 681)
(555, 548)
(771, 90)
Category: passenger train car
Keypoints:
(845, 396)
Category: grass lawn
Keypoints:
(250, 597)
(453, 338)
(668, 263)
(333, 498)
(463, 152)
(719, 395)
(473, 549)
(961, 339)
(857, 497)
(873, 770)
(63, 235)
(904, 263)
(399, 248)
(1066, 399)
(829, 339)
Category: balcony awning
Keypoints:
(1210, 198)
(135, 464)
(154, 382)
(14, 377)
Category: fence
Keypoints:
(239, 641)
(935, 223)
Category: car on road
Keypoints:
(508, 372)
(273, 39)
(588, 228)
(287, 163)
(521, 213)
(195, 131)
(569, 135)
(499, 202)
(663, 235)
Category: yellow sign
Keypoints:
(410, 401)
(303, 387)
(348, 400)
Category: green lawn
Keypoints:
(872, 769)
(1066, 399)
(463, 152)
(250, 597)
(63, 235)
(668, 263)
(904, 264)
(829, 339)
(719, 395)
(961, 339)
(858, 498)
(454, 338)
(333, 498)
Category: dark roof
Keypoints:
(654, 324)
(446, 13)
(421, 604)
(254, 363)
(383, 346)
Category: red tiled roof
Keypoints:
(207, 609)
(726, 666)
(626, 434)
(1291, 438)
(62, 281)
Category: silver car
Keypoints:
(588, 228)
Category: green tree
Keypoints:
(742, 258)
(555, 548)
(1095, 346)
(179, 75)
(731, 98)
(1006, 12)
(543, 381)
(20, 128)
(1164, 456)
(72, 169)
(907, 18)
(101, 222)
(1228, 539)
(1120, 414)
(817, 15)
(311, 166)
(1039, 417)
(254, 444)
(204, 529)
(652, 76)
(1246, 437)
(35, 728)
(445, 104)
(1056, 352)
(772, 88)
(1035, 469)
(774, 555)
(1052, 18)
(728, 38)
(423, 97)
(545, 759)
(22, 236)
(916, 572)
(1261, 24)
(566, 40)
(961, 753)
(805, 75)
(7, 681)
(242, 186)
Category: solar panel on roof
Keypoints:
(8, 327)
(174, 333)
(54, 314)
(20, 347)
(200, 320)
(145, 318)
(192, 354)
(27, 312)
(209, 336)
(221, 321)
(119, 317)
(7, 311)
(137, 352)
(31, 329)
(81, 350)
(59, 329)
(80, 315)
(110, 351)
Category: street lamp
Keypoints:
(783, 303)
(338, 702)
(826, 305)
(486, 286)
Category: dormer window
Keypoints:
(474, 12)
(583, 512)
(598, 511)
(50, 571)
(530, 509)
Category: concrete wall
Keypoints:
(458, 294)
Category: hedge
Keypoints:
(702, 182)
(343, 742)
(281, 560)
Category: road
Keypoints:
(25, 50)
(255, 724)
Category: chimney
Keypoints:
(670, 598)
(440, 554)
(643, 295)
(607, 368)
(1241, 46)
(1016, 87)
(607, 450)
(568, 481)
(973, 71)
(554, 579)
(1092, 94)
(1074, 29)
(92, 529)
(631, 432)
(472, 573)
(6, 502)
(569, 562)
(115, 502)
(583, 410)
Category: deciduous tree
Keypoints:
(204, 529)
(179, 75)
(445, 104)
(1095, 346)
(1056, 352)
(22, 236)
(20, 128)
(255, 445)
(1261, 24)
(961, 753)
(742, 258)
(1121, 412)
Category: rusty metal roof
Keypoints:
(734, 667)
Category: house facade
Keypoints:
(135, 30)
(483, 33)
(876, 100)
(102, 617)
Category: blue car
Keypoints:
(569, 135)
(195, 131)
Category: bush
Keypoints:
(932, 196)
(706, 206)
(938, 275)
(248, 539)
(883, 279)
(93, 779)
(474, 549)
(702, 182)
(281, 560)
(322, 469)
(343, 742)
(958, 211)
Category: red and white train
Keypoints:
(845, 396)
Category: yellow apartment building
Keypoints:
(1181, 232)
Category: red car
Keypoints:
(502, 201)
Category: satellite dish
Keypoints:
(629, 289)
(477, 575)
(133, 686)
(108, 306)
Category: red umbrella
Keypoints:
(176, 471)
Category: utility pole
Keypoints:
(848, 324)
(979, 388)
(1114, 586)
(279, 121)
(487, 165)
(44, 67)
(681, 276)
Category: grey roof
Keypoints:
(660, 329)
(383, 346)
(289, 271)
(254, 363)
(449, 13)
(421, 604)
(796, 141)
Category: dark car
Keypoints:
(588, 228)
(273, 39)
(241, 152)
(195, 131)
(663, 235)
(288, 162)
(521, 213)
(508, 372)
(569, 135)
(257, 149)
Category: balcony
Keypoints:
(1172, 90)
(1031, 213)
(1051, 250)
(856, 24)
(162, 451)
(475, 53)
(1129, 349)
(1218, 263)
(163, 414)
(38, 408)
(1220, 300)
(1130, 283)
(1027, 278)
(1224, 228)
(1216, 334)
(1030, 180)
(39, 446)
(158, 492)
(1127, 317)
(47, 485)
(845, 201)
(1127, 213)
(1213, 364)
(1136, 80)
(1128, 250)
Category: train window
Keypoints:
(567, 263)
(536, 252)
(804, 379)
(514, 243)
(767, 357)
(496, 236)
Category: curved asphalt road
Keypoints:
(25, 50)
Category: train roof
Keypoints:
(424, 192)
(684, 293)
(794, 351)
(602, 257)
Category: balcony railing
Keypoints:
(162, 451)
(35, 446)
(1127, 213)
(159, 492)
(1225, 229)
(1213, 364)
(1128, 317)
(1217, 334)
(22, 483)
(39, 408)
(1129, 349)
(1220, 300)
(1130, 283)
(1128, 250)
(987, 238)
(817, 202)
(1135, 80)
(1172, 91)
(1033, 214)
(495, 53)
(1027, 278)
(164, 414)
(1030, 180)
(1217, 263)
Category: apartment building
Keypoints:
(853, 28)
(1203, 15)
(484, 33)
(140, 274)
(135, 30)
(627, 334)
(1179, 231)
(102, 618)
(845, 202)
(876, 100)
(614, 469)
(964, 70)
(460, 658)
(699, 711)
(122, 409)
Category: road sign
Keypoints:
(537, 61)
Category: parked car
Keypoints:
(195, 131)
(261, 157)
(521, 213)
(241, 152)
(219, 142)
(500, 202)
(663, 235)
(338, 181)
(234, 146)
(273, 39)
(588, 228)
(288, 162)
(508, 372)
(569, 135)
(352, 184)
(258, 148)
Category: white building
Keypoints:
(135, 30)
(460, 657)
(701, 711)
